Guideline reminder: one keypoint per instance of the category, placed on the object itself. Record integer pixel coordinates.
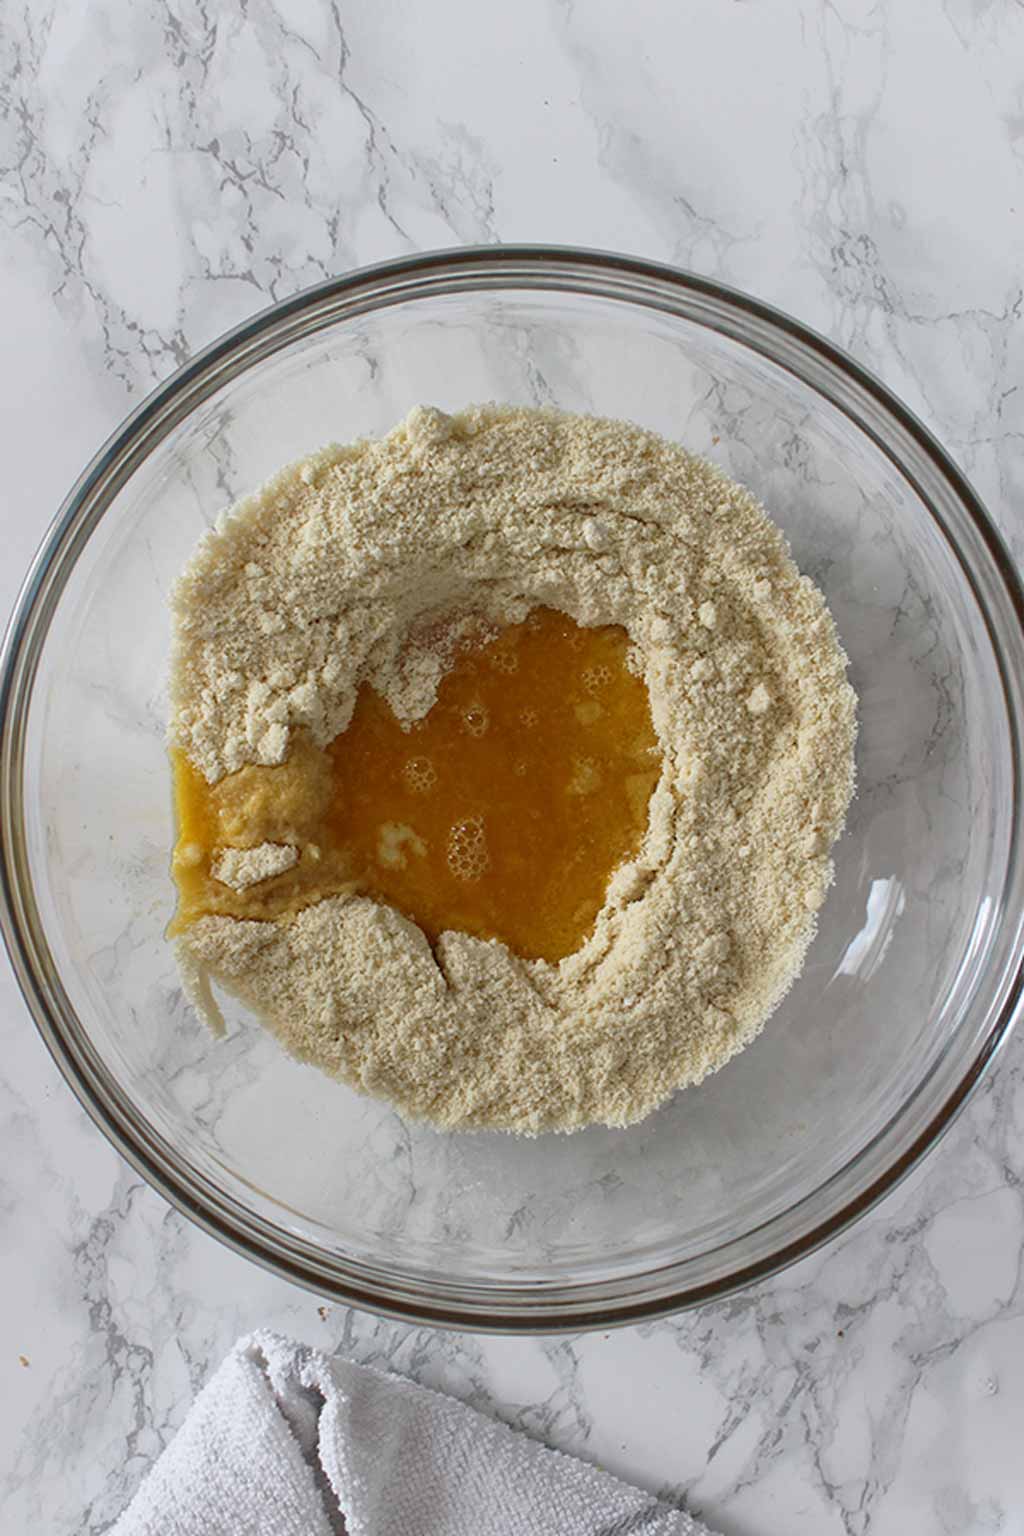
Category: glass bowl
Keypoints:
(910, 987)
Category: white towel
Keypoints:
(286, 1442)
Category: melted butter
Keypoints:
(503, 813)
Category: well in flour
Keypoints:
(371, 565)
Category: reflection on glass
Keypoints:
(866, 950)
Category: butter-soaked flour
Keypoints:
(337, 573)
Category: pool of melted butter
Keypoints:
(503, 813)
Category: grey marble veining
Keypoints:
(167, 170)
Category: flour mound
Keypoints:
(344, 570)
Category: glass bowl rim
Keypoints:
(485, 1306)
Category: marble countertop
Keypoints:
(169, 168)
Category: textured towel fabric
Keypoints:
(285, 1442)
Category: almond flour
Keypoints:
(242, 867)
(345, 569)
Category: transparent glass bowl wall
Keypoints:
(909, 987)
